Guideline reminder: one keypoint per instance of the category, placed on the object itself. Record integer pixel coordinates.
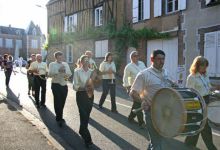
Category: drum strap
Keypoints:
(205, 83)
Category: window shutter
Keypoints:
(104, 47)
(181, 4)
(98, 48)
(65, 23)
(146, 9)
(135, 11)
(210, 51)
(157, 8)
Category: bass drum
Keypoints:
(180, 111)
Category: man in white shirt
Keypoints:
(146, 84)
(130, 72)
(60, 72)
(39, 69)
(92, 64)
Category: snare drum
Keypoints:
(180, 111)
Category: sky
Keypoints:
(19, 13)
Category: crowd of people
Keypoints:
(140, 82)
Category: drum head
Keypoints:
(168, 112)
(213, 112)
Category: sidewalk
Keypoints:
(17, 132)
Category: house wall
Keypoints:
(198, 20)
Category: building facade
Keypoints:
(191, 24)
(20, 42)
(72, 17)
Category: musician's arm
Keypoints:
(135, 96)
(68, 71)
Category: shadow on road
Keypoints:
(123, 144)
(11, 95)
(123, 120)
(65, 135)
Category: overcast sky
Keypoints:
(19, 13)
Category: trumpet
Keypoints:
(90, 88)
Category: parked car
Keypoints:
(24, 63)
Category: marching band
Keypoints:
(141, 83)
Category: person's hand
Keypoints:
(62, 69)
(145, 105)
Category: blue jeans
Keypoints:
(156, 139)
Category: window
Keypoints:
(9, 43)
(98, 16)
(141, 10)
(70, 23)
(69, 53)
(175, 5)
(18, 44)
(34, 44)
(34, 32)
(101, 48)
(1, 42)
(18, 32)
(212, 52)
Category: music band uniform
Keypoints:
(202, 84)
(130, 72)
(59, 86)
(108, 83)
(84, 102)
(39, 81)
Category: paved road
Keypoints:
(108, 130)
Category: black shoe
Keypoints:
(28, 92)
(131, 120)
(114, 111)
(37, 105)
(100, 107)
(60, 123)
(89, 144)
(43, 105)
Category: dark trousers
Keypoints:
(106, 86)
(40, 82)
(59, 94)
(7, 76)
(30, 82)
(206, 134)
(84, 104)
(139, 114)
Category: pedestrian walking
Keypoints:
(198, 79)
(59, 71)
(84, 97)
(30, 76)
(130, 72)
(146, 84)
(108, 70)
(40, 70)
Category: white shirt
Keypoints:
(80, 78)
(148, 82)
(41, 67)
(105, 66)
(200, 83)
(58, 77)
(130, 72)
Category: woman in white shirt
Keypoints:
(198, 79)
(108, 70)
(81, 83)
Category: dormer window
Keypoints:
(34, 32)
(18, 32)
